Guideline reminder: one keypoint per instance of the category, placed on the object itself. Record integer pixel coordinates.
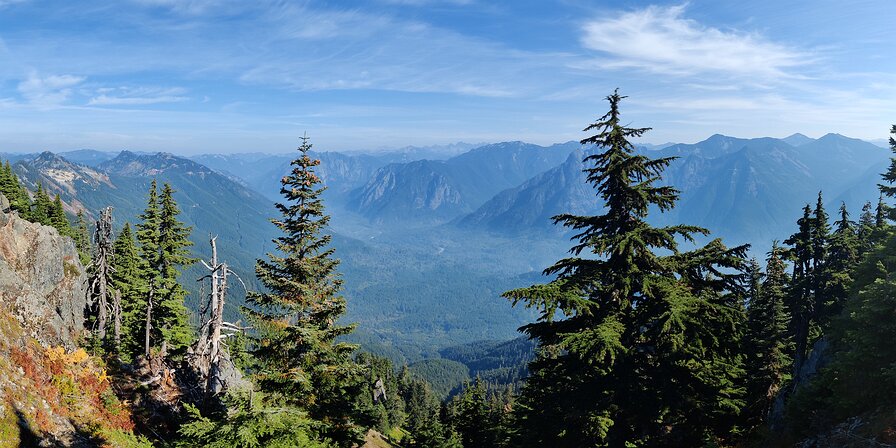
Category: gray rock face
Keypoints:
(42, 281)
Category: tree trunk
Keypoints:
(103, 310)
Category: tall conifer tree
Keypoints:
(128, 280)
(81, 235)
(59, 220)
(800, 299)
(768, 364)
(300, 362)
(40, 213)
(14, 191)
(163, 242)
(865, 230)
(843, 257)
(637, 341)
(172, 317)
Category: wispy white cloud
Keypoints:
(52, 90)
(190, 7)
(428, 2)
(5, 3)
(129, 96)
(662, 39)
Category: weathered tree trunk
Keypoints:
(207, 353)
(214, 383)
(101, 270)
(102, 305)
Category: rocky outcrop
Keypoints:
(42, 281)
(51, 392)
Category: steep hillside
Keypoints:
(51, 394)
(210, 202)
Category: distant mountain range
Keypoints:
(428, 244)
(432, 191)
(745, 190)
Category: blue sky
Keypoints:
(236, 76)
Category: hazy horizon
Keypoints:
(217, 76)
(881, 142)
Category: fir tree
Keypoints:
(82, 238)
(767, 363)
(148, 237)
(128, 280)
(172, 318)
(8, 182)
(424, 420)
(865, 230)
(40, 213)
(58, 219)
(800, 299)
(888, 187)
(14, 192)
(300, 363)
(163, 242)
(881, 213)
(386, 404)
(248, 423)
(843, 257)
(858, 378)
(476, 420)
(645, 351)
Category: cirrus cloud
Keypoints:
(661, 39)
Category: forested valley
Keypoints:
(642, 335)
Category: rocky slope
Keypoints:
(42, 282)
(51, 393)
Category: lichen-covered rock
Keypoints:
(42, 281)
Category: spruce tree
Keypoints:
(638, 341)
(300, 362)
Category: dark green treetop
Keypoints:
(637, 341)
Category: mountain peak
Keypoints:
(797, 139)
(128, 163)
